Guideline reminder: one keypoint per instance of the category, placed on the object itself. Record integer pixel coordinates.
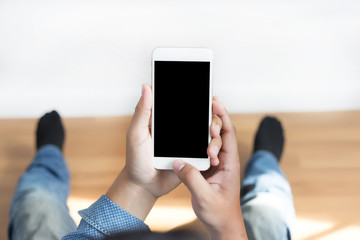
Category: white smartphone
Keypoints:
(182, 104)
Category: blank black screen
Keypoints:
(181, 109)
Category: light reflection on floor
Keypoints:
(163, 218)
(350, 232)
(160, 218)
(305, 228)
(76, 204)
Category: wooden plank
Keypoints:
(321, 161)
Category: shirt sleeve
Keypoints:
(105, 218)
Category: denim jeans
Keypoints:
(39, 211)
(267, 207)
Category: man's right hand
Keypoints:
(216, 192)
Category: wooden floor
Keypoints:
(321, 161)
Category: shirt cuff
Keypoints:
(109, 218)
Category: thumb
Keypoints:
(192, 178)
(142, 113)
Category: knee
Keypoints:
(264, 222)
(33, 206)
(35, 213)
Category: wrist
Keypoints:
(234, 229)
(131, 197)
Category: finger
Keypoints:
(219, 110)
(227, 127)
(150, 120)
(192, 178)
(150, 123)
(216, 126)
(228, 136)
(214, 147)
(142, 113)
(214, 162)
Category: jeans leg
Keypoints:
(38, 208)
(267, 207)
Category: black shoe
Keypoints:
(50, 130)
(270, 137)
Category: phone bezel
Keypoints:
(181, 54)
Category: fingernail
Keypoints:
(215, 162)
(178, 165)
(215, 150)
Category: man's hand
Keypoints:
(139, 152)
(139, 184)
(216, 193)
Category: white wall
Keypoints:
(89, 58)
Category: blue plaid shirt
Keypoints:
(105, 218)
